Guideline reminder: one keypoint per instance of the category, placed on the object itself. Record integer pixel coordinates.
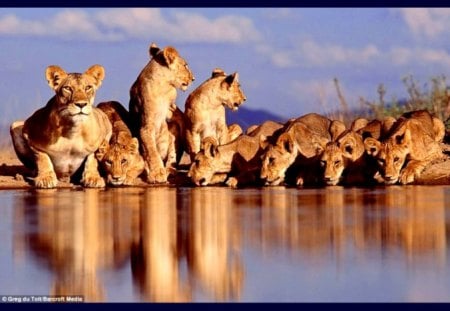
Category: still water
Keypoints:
(218, 244)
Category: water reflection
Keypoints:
(155, 258)
(213, 245)
(191, 244)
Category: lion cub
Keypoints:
(59, 137)
(235, 163)
(296, 152)
(344, 159)
(412, 143)
(120, 158)
(152, 105)
(205, 109)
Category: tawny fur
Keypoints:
(236, 163)
(152, 105)
(301, 143)
(411, 144)
(120, 158)
(58, 138)
(205, 109)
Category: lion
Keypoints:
(57, 139)
(235, 163)
(344, 159)
(120, 158)
(205, 109)
(152, 105)
(298, 148)
(411, 144)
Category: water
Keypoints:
(386, 244)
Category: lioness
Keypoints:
(205, 109)
(299, 147)
(152, 103)
(120, 158)
(235, 163)
(59, 137)
(412, 143)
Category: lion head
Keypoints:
(348, 148)
(204, 165)
(179, 74)
(230, 93)
(118, 160)
(390, 155)
(333, 163)
(277, 159)
(75, 92)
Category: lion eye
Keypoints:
(67, 89)
(271, 160)
(124, 161)
(337, 162)
(396, 159)
(88, 88)
(108, 162)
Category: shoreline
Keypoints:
(13, 174)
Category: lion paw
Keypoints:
(407, 176)
(129, 181)
(46, 181)
(93, 181)
(158, 176)
(232, 182)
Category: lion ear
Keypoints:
(336, 129)
(372, 146)
(209, 146)
(403, 139)
(217, 72)
(134, 145)
(286, 142)
(154, 49)
(170, 54)
(55, 75)
(263, 142)
(97, 72)
(348, 147)
(229, 80)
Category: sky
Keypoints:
(286, 58)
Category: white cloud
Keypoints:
(430, 22)
(402, 56)
(121, 24)
(310, 53)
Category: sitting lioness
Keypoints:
(152, 103)
(120, 158)
(412, 143)
(59, 137)
(205, 109)
(298, 148)
(235, 163)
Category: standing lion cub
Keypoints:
(152, 105)
(59, 137)
(205, 109)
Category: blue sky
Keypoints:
(286, 58)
